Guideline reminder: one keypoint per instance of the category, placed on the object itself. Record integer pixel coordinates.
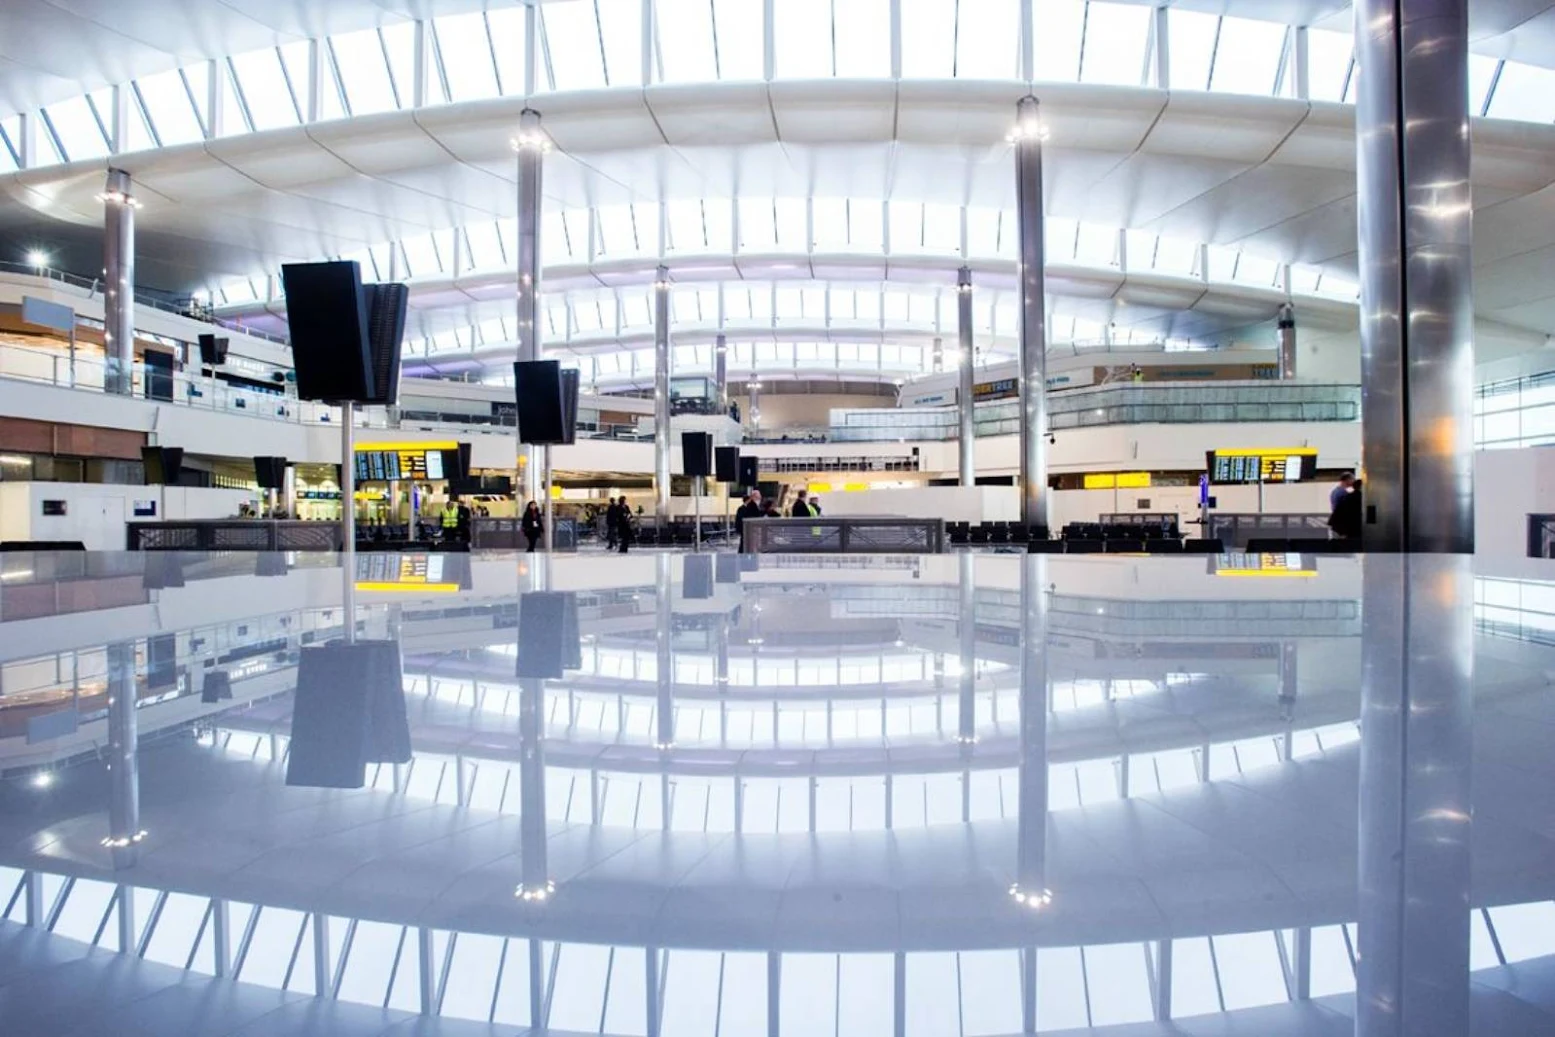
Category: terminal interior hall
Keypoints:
(777, 518)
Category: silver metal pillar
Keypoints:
(661, 398)
(664, 671)
(967, 629)
(1287, 331)
(1417, 674)
(530, 146)
(119, 283)
(721, 372)
(1031, 223)
(124, 834)
(964, 396)
(535, 883)
(348, 518)
(753, 391)
(1417, 317)
(1030, 888)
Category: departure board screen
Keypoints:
(1270, 466)
(401, 463)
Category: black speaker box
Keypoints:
(326, 310)
(726, 463)
(537, 386)
(163, 464)
(750, 473)
(696, 453)
(696, 579)
(270, 472)
(386, 308)
(213, 350)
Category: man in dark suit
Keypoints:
(801, 508)
(751, 509)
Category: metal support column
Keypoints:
(1287, 331)
(1162, 1008)
(753, 397)
(664, 670)
(721, 372)
(124, 833)
(1030, 888)
(119, 282)
(1417, 675)
(967, 628)
(1417, 318)
(661, 398)
(531, 147)
(964, 396)
(1031, 223)
(535, 881)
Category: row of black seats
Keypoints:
(1311, 546)
(1119, 531)
(1113, 547)
(994, 533)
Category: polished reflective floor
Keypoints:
(712, 795)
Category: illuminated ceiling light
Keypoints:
(43, 780)
(37, 258)
(1034, 131)
(533, 139)
(536, 894)
(1036, 900)
(120, 842)
(118, 198)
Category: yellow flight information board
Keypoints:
(1117, 480)
(1262, 465)
(392, 462)
(408, 571)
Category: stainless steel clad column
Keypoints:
(119, 283)
(1417, 319)
(966, 732)
(664, 671)
(1415, 809)
(531, 147)
(1030, 887)
(721, 373)
(968, 444)
(661, 398)
(1287, 329)
(1031, 222)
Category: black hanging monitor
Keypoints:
(726, 463)
(696, 453)
(542, 415)
(387, 305)
(326, 310)
(213, 350)
(163, 464)
(571, 386)
(270, 472)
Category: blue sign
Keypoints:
(1204, 490)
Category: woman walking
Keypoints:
(532, 525)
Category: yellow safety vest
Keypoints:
(451, 519)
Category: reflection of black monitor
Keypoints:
(349, 711)
(547, 634)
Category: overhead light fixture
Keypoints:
(536, 894)
(1033, 131)
(118, 198)
(43, 780)
(37, 258)
(1036, 900)
(534, 140)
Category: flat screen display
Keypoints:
(1272, 466)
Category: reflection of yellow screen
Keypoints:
(1117, 480)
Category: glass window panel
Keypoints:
(572, 38)
(1524, 92)
(177, 927)
(168, 105)
(83, 911)
(1060, 989)
(399, 44)
(420, 256)
(982, 232)
(363, 72)
(790, 219)
(1193, 978)
(294, 58)
(1250, 970)
(865, 982)
(466, 52)
(808, 995)
(990, 992)
(692, 983)
(405, 993)
(933, 995)
(684, 232)
(471, 979)
(269, 99)
(866, 225)
(370, 961)
(485, 247)
(1096, 244)
(1482, 71)
(830, 219)
(512, 1005)
(1525, 930)
(988, 39)
(620, 26)
(1247, 57)
(1192, 41)
(941, 228)
(802, 39)
(862, 46)
(1118, 982)
(626, 1004)
(78, 131)
(758, 229)
(1332, 972)
(1117, 38)
(506, 27)
(1060, 25)
(685, 41)
(1329, 57)
(928, 39)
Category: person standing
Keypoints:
(624, 525)
(532, 525)
(450, 520)
(1346, 518)
(1345, 485)
(801, 508)
(750, 509)
(815, 506)
(612, 520)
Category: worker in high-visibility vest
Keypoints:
(450, 519)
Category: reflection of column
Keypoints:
(119, 282)
(535, 884)
(967, 731)
(124, 833)
(968, 443)
(1417, 308)
(1417, 670)
(721, 372)
(661, 398)
(531, 151)
(1031, 221)
(665, 668)
(1031, 861)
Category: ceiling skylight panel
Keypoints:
(295, 60)
(10, 144)
(571, 36)
(399, 47)
(1173, 256)
(761, 302)
(269, 98)
(1096, 244)
(739, 35)
(813, 303)
(987, 39)
(485, 247)
(788, 302)
(684, 226)
(585, 313)
(620, 25)
(465, 51)
(169, 108)
(1524, 92)
(79, 133)
(363, 72)
(802, 39)
(1256, 270)
(983, 233)
(1191, 42)
(1058, 26)
(758, 229)
(830, 217)
(636, 308)
(419, 255)
(1247, 56)
(233, 118)
(941, 228)
(1060, 239)
(506, 28)
(718, 223)
(618, 232)
(928, 39)
(1330, 58)
(862, 33)
(1117, 38)
(789, 215)
(684, 305)
(1482, 73)
(866, 225)
(684, 43)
